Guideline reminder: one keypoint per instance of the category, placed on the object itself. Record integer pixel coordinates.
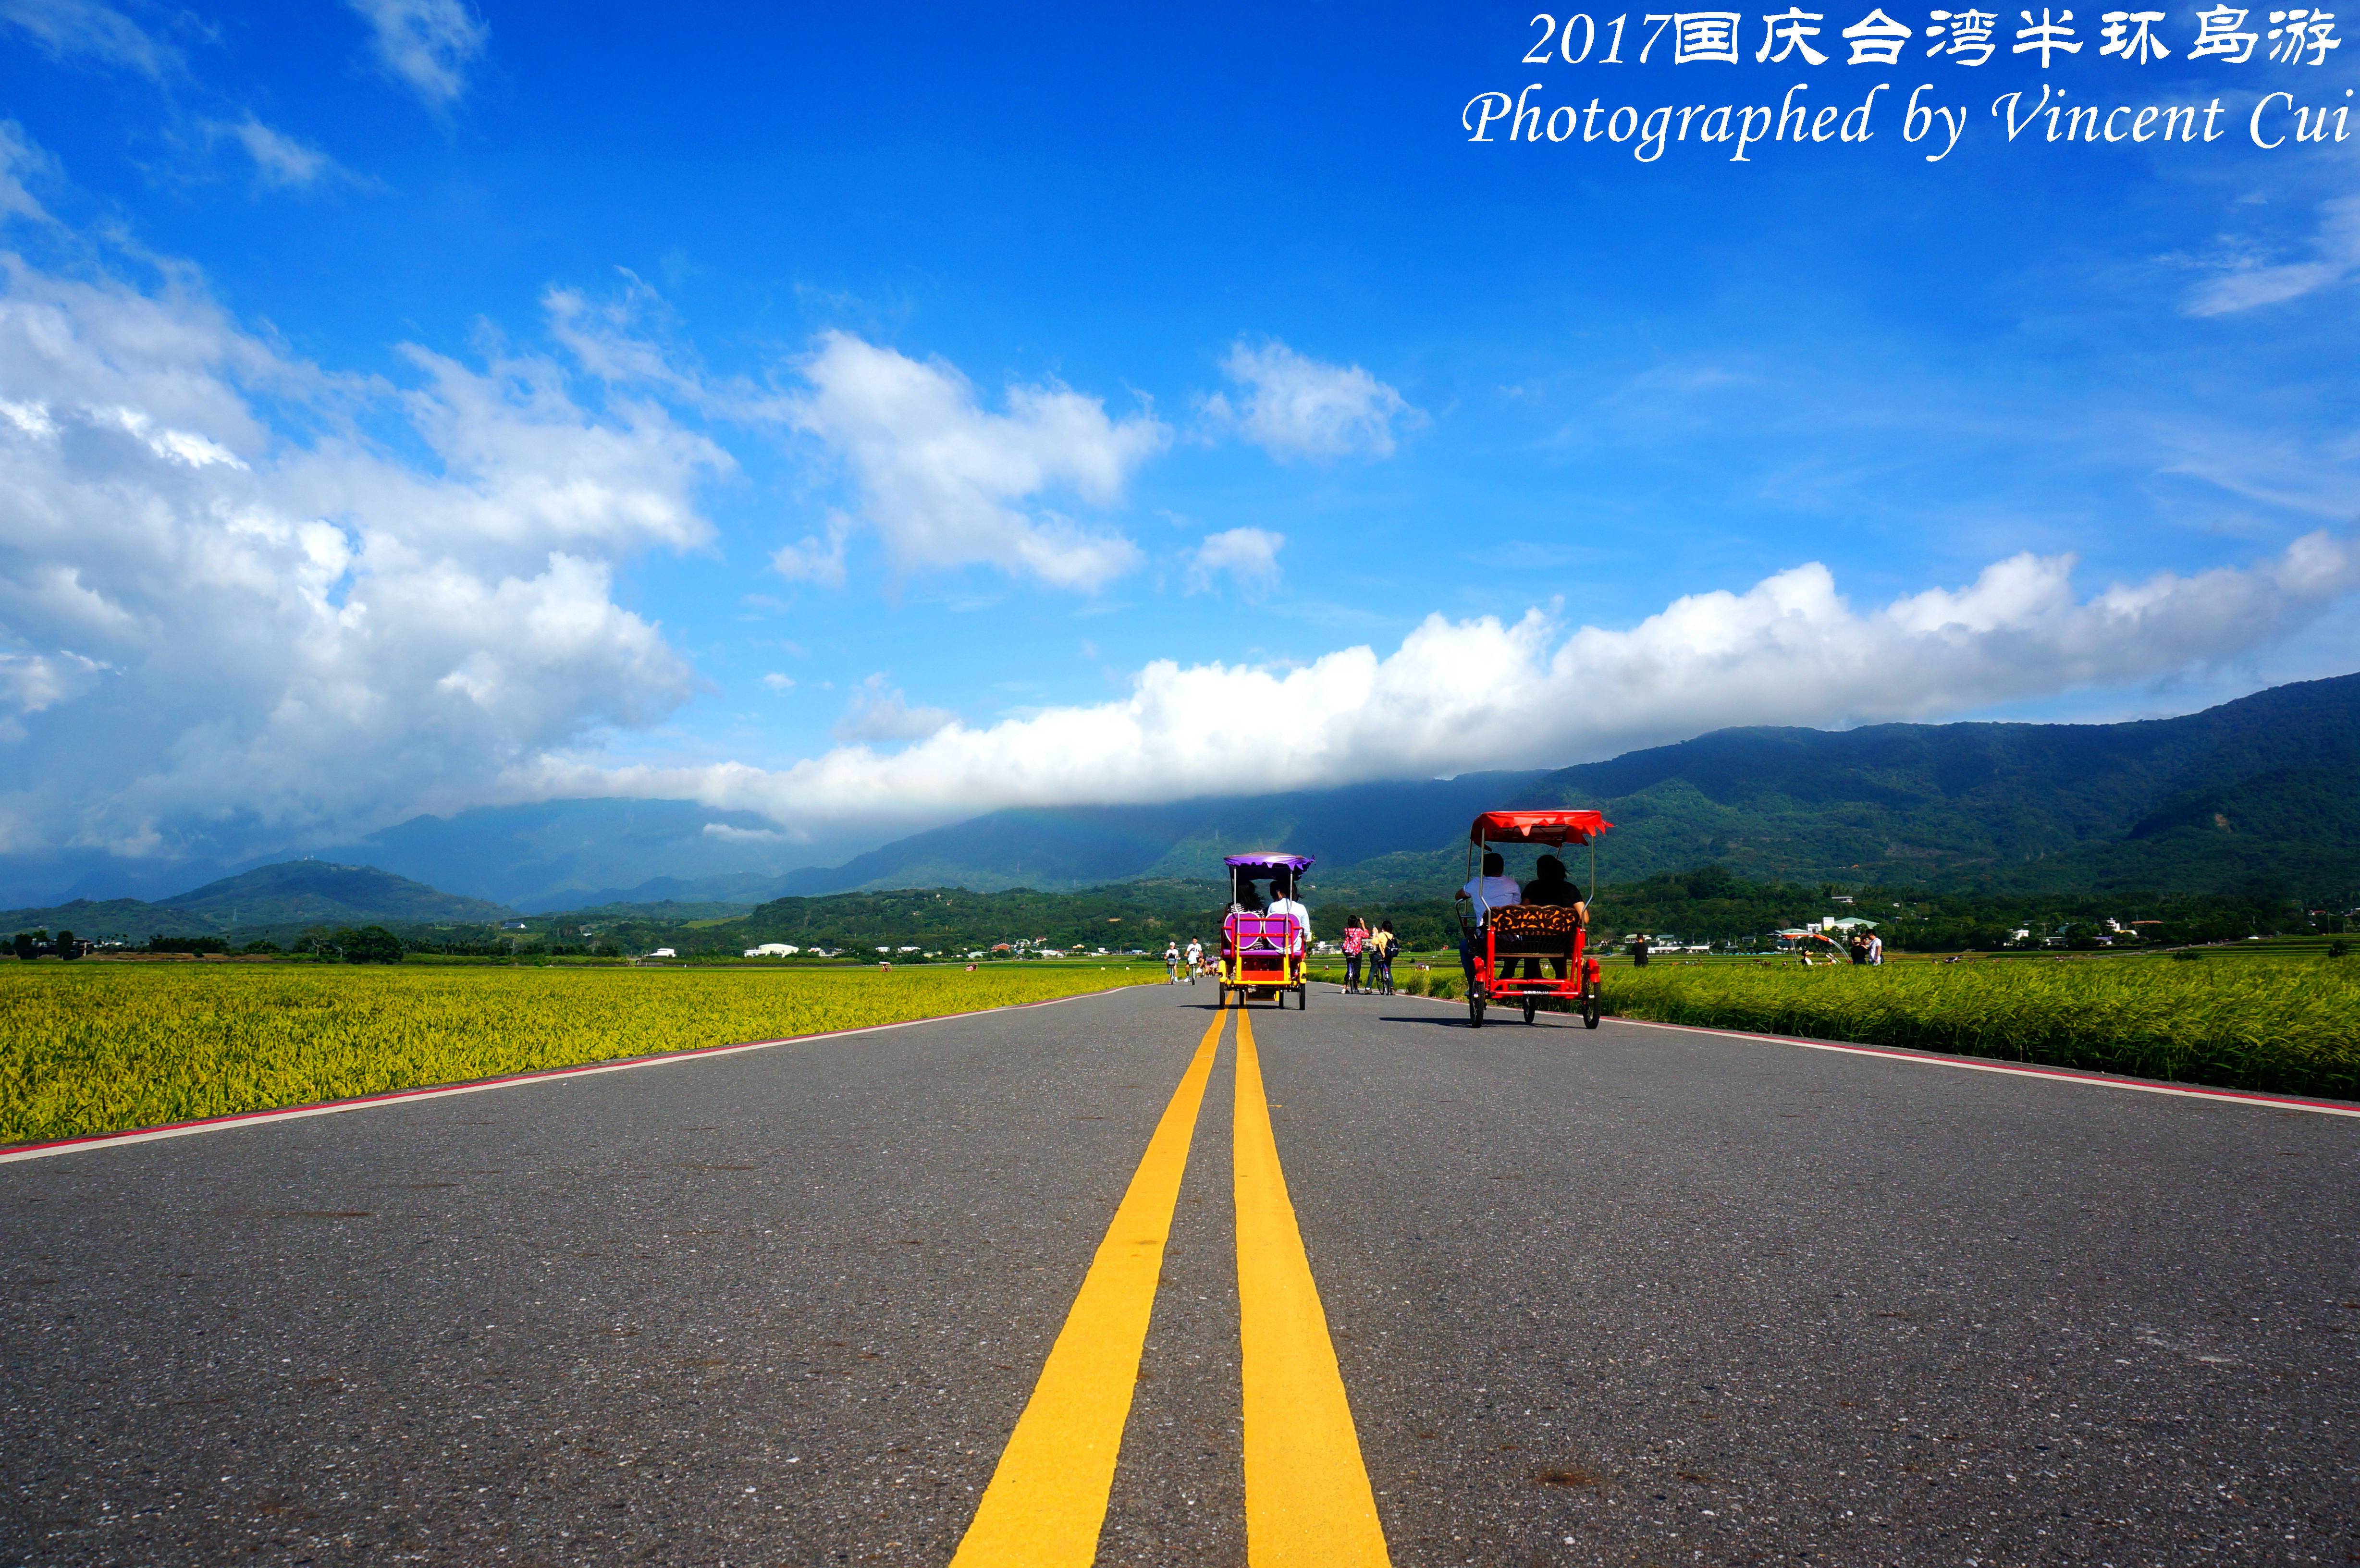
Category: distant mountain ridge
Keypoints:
(2255, 790)
(294, 893)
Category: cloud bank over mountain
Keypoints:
(1488, 692)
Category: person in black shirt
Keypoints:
(1550, 886)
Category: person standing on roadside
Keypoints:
(1355, 937)
(1381, 943)
(1876, 949)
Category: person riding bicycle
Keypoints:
(1196, 959)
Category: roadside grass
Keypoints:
(2287, 1024)
(96, 1047)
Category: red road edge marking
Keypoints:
(2025, 1070)
(2013, 1070)
(476, 1086)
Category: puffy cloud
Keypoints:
(1294, 406)
(427, 43)
(777, 682)
(1250, 557)
(946, 482)
(2338, 244)
(218, 635)
(1492, 693)
(880, 713)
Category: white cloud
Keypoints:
(1250, 555)
(880, 713)
(18, 158)
(777, 682)
(729, 834)
(813, 559)
(2338, 244)
(1458, 695)
(219, 636)
(427, 43)
(1299, 407)
(67, 27)
(280, 160)
(946, 482)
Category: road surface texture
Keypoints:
(1635, 1296)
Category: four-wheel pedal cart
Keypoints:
(1533, 936)
(1261, 954)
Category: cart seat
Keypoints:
(1539, 929)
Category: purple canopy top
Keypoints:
(1274, 862)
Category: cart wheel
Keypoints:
(1531, 1008)
(1592, 1006)
(1474, 1012)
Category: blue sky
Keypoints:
(870, 417)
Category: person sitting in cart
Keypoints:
(1283, 902)
(1496, 889)
(1550, 887)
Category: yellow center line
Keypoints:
(1307, 1496)
(1048, 1498)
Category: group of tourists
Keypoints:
(1375, 950)
(1179, 966)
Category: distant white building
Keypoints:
(772, 949)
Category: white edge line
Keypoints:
(1934, 1059)
(545, 1075)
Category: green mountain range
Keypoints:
(2251, 794)
(284, 898)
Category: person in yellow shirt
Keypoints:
(1380, 949)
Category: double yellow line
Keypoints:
(1307, 1495)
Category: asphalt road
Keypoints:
(1631, 1296)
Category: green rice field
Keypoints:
(97, 1047)
(2286, 1024)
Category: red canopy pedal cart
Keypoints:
(1537, 936)
(1262, 953)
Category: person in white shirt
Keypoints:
(1196, 959)
(1171, 963)
(1496, 889)
(1283, 902)
(1876, 948)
